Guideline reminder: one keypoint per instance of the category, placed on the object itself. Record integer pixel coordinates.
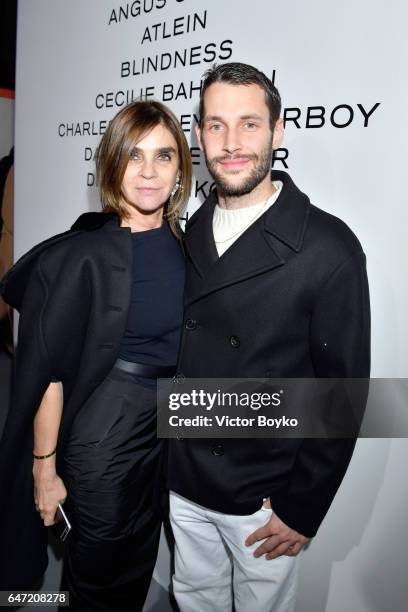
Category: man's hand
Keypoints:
(280, 539)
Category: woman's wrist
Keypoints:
(44, 467)
(42, 456)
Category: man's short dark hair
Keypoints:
(236, 73)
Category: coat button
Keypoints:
(217, 450)
(235, 341)
(191, 324)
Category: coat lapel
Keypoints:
(199, 239)
(112, 291)
(255, 252)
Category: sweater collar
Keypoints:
(286, 219)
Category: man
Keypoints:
(275, 288)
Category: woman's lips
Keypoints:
(147, 190)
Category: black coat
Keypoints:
(288, 299)
(73, 293)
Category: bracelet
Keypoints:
(45, 456)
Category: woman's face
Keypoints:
(151, 171)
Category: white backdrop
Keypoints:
(340, 69)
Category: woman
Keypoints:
(101, 310)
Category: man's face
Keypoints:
(236, 137)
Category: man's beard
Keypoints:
(262, 168)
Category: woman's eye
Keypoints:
(165, 157)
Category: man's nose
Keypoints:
(231, 143)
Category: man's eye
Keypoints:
(134, 156)
(165, 157)
(215, 127)
(250, 126)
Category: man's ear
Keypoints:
(278, 134)
(199, 137)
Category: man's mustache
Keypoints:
(222, 158)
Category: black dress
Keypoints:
(112, 461)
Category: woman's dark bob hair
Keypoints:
(125, 130)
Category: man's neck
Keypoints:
(261, 193)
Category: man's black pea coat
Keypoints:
(288, 299)
(73, 293)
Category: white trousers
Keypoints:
(209, 546)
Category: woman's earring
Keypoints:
(176, 187)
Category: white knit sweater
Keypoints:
(229, 225)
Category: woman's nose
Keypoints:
(147, 169)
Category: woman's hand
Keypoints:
(49, 491)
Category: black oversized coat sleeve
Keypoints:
(46, 332)
(72, 292)
(340, 347)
